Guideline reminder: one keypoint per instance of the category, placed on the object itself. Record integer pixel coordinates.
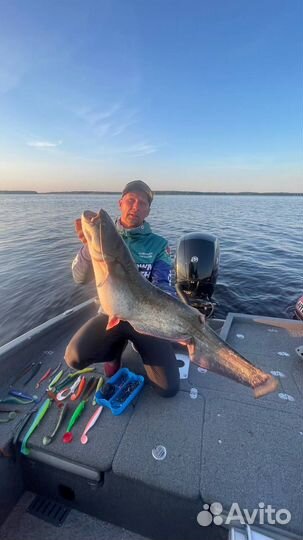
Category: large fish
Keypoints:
(126, 295)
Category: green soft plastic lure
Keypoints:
(91, 385)
(55, 380)
(70, 376)
(68, 436)
(40, 414)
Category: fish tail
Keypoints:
(270, 385)
(227, 362)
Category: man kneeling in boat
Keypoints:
(93, 343)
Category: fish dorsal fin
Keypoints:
(112, 322)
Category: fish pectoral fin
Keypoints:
(112, 322)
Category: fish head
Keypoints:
(104, 242)
(90, 223)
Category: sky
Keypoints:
(186, 95)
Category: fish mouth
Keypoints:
(91, 217)
(93, 225)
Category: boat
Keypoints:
(211, 462)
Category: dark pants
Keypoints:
(93, 343)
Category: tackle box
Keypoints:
(120, 390)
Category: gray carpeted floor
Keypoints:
(21, 524)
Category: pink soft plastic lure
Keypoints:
(90, 424)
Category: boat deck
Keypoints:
(78, 526)
(221, 446)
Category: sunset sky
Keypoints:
(186, 95)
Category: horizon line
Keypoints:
(156, 192)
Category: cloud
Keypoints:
(141, 149)
(111, 122)
(127, 119)
(44, 144)
(108, 124)
(95, 118)
(119, 129)
(136, 150)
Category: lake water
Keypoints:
(261, 239)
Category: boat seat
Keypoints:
(176, 426)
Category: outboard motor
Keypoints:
(196, 266)
(299, 309)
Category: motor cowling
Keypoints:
(299, 309)
(196, 268)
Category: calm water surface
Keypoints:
(261, 238)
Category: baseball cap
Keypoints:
(138, 185)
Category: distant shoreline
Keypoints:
(162, 192)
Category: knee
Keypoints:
(71, 357)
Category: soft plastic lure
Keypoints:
(99, 385)
(79, 391)
(93, 419)
(17, 400)
(23, 395)
(34, 372)
(55, 380)
(40, 414)
(68, 391)
(44, 377)
(47, 439)
(62, 383)
(68, 436)
(11, 416)
(82, 371)
(54, 371)
(70, 376)
(22, 373)
(91, 385)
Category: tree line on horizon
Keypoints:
(157, 192)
